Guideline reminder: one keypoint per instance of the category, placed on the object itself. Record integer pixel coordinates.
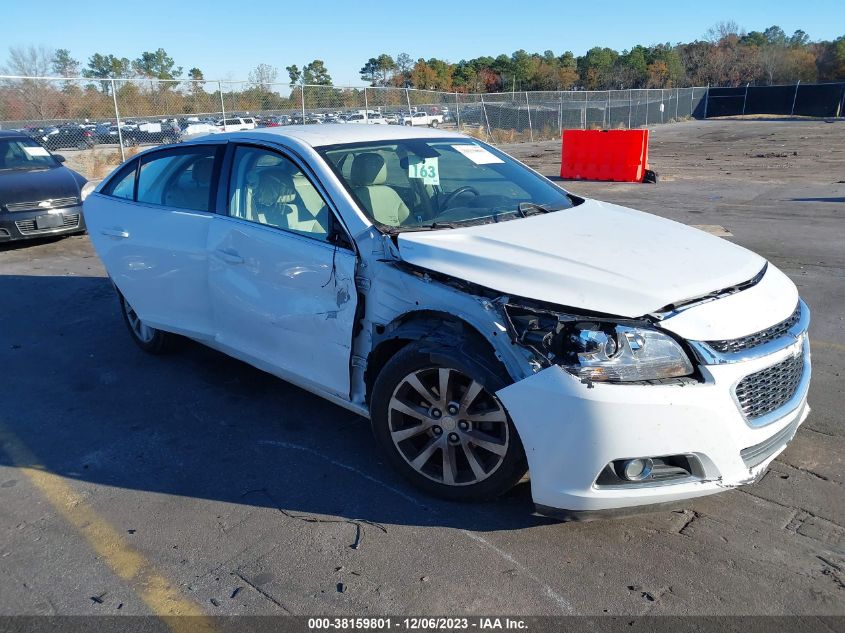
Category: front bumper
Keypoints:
(21, 225)
(571, 431)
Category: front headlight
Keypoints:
(600, 350)
(87, 189)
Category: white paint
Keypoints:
(286, 304)
(595, 256)
(571, 432)
(285, 299)
(157, 257)
(770, 301)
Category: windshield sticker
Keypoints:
(478, 154)
(36, 151)
(428, 170)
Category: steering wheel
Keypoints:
(451, 196)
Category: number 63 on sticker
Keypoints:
(425, 169)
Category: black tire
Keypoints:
(474, 363)
(157, 343)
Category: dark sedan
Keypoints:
(38, 195)
(67, 136)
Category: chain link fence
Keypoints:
(96, 123)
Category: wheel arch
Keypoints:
(440, 328)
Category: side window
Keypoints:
(178, 178)
(269, 189)
(123, 184)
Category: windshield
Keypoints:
(440, 183)
(24, 153)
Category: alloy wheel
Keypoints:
(143, 332)
(447, 426)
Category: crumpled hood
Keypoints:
(595, 256)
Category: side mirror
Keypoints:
(59, 158)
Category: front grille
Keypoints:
(28, 227)
(757, 454)
(55, 203)
(769, 389)
(734, 345)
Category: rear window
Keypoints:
(180, 178)
(122, 184)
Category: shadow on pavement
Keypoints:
(91, 406)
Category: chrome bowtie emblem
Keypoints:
(46, 204)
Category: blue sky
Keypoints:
(227, 39)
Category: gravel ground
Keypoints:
(250, 496)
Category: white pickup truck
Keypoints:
(423, 118)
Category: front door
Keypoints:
(282, 288)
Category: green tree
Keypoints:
(157, 65)
(404, 65)
(64, 65)
(596, 68)
(378, 70)
(522, 68)
(316, 74)
(632, 68)
(107, 67)
(294, 74)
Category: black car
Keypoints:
(67, 136)
(106, 134)
(38, 195)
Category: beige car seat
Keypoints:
(276, 202)
(195, 196)
(368, 175)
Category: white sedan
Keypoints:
(485, 320)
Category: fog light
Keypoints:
(636, 469)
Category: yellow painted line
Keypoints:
(836, 346)
(157, 592)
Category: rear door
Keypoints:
(150, 224)
(282, 272)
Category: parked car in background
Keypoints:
(423, 118)
(309, 119)
(484, 318)
(157, 132)
(67, 136)
(39, 196)
(274, 121)
(369, 119)
(192, 128)
(105, 133)
(236, 124)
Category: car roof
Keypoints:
(321, 135)
(12, 134)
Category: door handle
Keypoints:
(230, 256)
(115, 232)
